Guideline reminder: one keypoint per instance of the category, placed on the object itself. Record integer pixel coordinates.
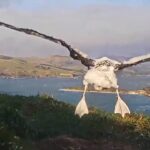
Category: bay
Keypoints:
(51, 86)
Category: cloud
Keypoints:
(7, 3)
(95, 29)
(4, 3)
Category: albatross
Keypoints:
(101, 72)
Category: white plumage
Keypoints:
(137, 59)
(102, 75)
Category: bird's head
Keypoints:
(106, 63)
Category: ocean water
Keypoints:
(51, 86)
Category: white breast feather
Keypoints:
(104, 78)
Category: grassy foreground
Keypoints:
(26, 121)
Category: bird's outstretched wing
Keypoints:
(134, 61)
(74, 53)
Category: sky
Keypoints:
(97, 27)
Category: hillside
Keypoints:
(52, 66)
(42, 123)
(39, 67)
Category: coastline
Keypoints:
(37, 77)
(125, 92)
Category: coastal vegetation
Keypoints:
(42, 123)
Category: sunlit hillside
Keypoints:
(39, 67)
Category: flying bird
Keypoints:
(101, 72)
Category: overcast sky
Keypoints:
(97, 27)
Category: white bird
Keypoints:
(101, 72)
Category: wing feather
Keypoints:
(74, 53)
(134, 61)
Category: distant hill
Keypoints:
(40, 67)
(62, 66)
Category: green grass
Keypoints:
(25, 120)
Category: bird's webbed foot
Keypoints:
(81, 108)
(121, 107)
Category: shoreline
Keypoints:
(131, 92)
(32, 77)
